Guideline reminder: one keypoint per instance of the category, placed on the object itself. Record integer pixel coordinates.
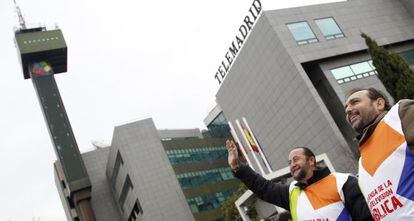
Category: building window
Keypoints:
(219, 127)
(135, 212)
(190, 155)
(353, 72)
(125, 189)
(302, 33)
(408, 56)
(196, 178)
(329, 28)
(118, 163)
(209, 202)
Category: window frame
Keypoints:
(334, 36)
(355, 76)
(403, 55)
(304, 41)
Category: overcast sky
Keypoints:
(126, 60)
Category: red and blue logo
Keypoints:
(41, 69)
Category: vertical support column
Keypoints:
(73, 169)
(83, 205)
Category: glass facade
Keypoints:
(408, 56)
(353, 72)
(302, 33)
(200, 166)
(196, 178)
(191, 155)
(209, 202)
(329, 28)
(219, 127)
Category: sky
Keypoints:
(127, 60)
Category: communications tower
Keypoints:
(43, 53)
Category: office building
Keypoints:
(200, 165)
(290, 78)
(216, 123)
(150, 174)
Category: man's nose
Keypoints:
(348, 109)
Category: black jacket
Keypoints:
(278, 194)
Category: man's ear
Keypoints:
(380, 103)
(313, 160)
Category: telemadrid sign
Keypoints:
(238, 41)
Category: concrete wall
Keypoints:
(153, 179)
(103, 203)
(387, 21)
(269, 86)
(409, 5)
(342, 89)
(372, 81)
(279, 101)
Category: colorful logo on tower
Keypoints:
(41, 69)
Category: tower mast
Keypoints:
(43, 53)
(20, 15)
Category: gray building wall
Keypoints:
(102, 201)
(342, 89)
(387, 21)
(279, 102)
(268, 84)
(153, 179)
(409, 5)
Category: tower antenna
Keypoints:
(20, 15)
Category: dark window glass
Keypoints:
(219, 127)
(135, 211)
(209, 202)
(191, 179)
(408, 56)
(118, 162)
(125, 189)
(190, 155)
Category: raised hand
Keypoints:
(233, 155)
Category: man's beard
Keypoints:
(364, 121)
(302, 173)
(358, 126)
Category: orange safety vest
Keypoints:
(386, 171)
(321, 201)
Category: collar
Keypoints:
(318, 174)
(369, 129)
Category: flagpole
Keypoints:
(260, 148)
(260, 151)
(251, 149)
(234, 134)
